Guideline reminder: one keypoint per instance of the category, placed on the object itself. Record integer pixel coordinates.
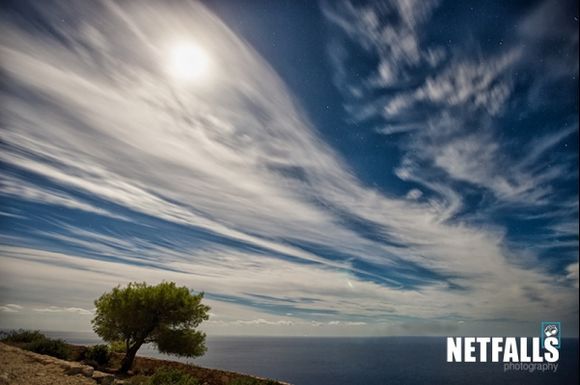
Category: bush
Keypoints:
(22, 336)
(37, 342)
(170, 376)
(56, 348)
(139, 379)
(99, 354)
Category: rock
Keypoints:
(103, 378)
(73, 368)
(45, 361)
(4, 380)
(87, 371)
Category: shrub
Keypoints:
(170, 376)
(99, 354)
(138, 380)
(56, 348)
(22, 336)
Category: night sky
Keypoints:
(331, 168)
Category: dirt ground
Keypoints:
(21, 367)
(16, 368)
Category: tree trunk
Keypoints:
(127, 362)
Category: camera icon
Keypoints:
(551, 330)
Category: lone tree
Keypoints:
(164, 314)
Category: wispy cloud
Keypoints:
(449, 107)
(10, 308)
(453, 105)
(227, 187)
(58, 309)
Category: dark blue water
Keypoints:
(364, 361)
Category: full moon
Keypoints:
(188, 62)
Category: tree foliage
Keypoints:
(164, 314)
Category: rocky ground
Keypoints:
(21, 367)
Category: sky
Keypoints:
(322, 168)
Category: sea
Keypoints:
(358, 361)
